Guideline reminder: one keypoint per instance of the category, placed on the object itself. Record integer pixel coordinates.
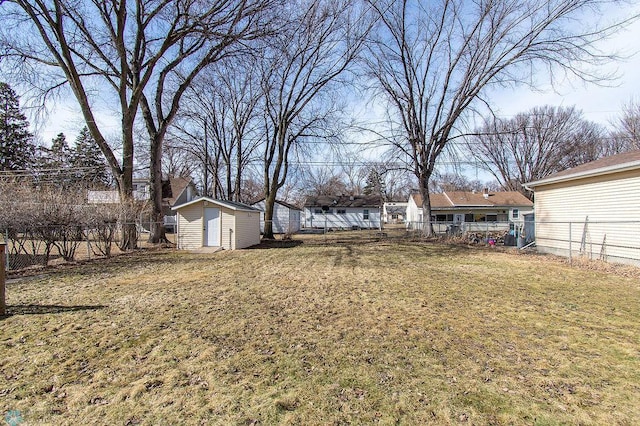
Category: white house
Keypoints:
(286, 217)
(205, 222)
(592, 210)
(343, 212)
(394, 211)
(175, 191)
(469, 209)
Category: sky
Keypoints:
(600, 104)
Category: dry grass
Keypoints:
(351, 333)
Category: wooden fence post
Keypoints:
(3, 305)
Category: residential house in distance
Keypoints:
(591, 210)
(207, 222)
(469, 210)
(343, 212)
(286, 217)
(175, 191)
(394, 211)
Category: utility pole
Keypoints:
(3, 305)
(206, 159)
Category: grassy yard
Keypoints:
(343, 333)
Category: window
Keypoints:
(515, 213)
(341, 211)
(317, 211)
(365, 214)
(492, 218)
(443, 218)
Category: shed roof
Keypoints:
(282, 203)
(461, 199)
(607, 165)
(344, 201)
(233, 205)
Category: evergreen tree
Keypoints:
(88, 161)
(375, 183)
(17, 151)
(54, 163)
(59, 155)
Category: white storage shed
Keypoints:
(206, 222)
(286, 217)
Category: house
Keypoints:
(470, 210)
(592, 209)
(205, 222)
(175, 190)
(394, 211)
(286, 217)
(343, 212)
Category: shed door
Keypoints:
(211, 227)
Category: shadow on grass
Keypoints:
(276, 244)
(47, 309)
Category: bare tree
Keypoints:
(323, 180)
(224, 102)
(212, 30)
(398, 183)
(300, 77)
(434, 60)
(353, 173)
(177, 161)
(626, 135)
(534, 144)
(146, 52)
(442, 182)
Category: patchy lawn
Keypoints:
(323, 334)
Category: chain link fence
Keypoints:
(40, 246)
(609, 241)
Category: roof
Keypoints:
(344, 201)
(173, 188)
(396, 209)
(233, 205)
(463, 199)
(282, 203)
(607, 165)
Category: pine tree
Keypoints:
(59, 155)
(17, 151)
(54, 163)
(88, 161)
(375, 183)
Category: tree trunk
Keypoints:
(269, 203)
(129, 237)
(238, 182)
(427, 226)
(158, 232)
